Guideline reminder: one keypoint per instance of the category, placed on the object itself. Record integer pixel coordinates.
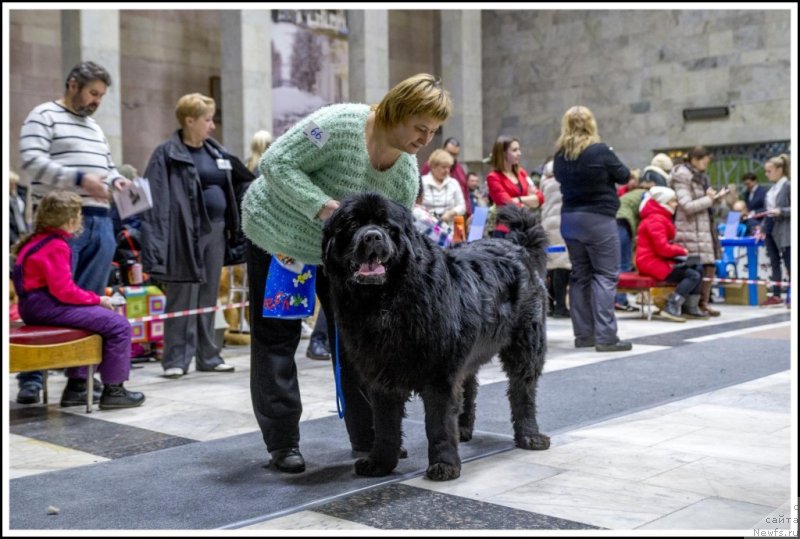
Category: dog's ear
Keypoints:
(409, 246)
(327, 249)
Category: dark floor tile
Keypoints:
(94, 436)
(399, 506)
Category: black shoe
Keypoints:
(318, 350)
(289, 460)
(619, 346)
(116, 396)
(584, 343)
(29, 393)
(561, 314)
(75, 393)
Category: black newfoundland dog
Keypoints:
(414, 317)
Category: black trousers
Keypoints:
(273, 373)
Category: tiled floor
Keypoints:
(720, 459)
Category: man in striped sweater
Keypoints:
(63, 148)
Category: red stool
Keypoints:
(633, 283)
(39, 348)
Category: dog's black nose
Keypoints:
(372, 238)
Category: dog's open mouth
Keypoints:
(371, 272)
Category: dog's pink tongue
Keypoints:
(371, 268)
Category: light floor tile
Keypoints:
(632, 462)
(733, 444)
(642, 432)
(711, 514)
(732, 479)
(307, 520)
(597, 500)
(35, 456)
(731, 418)
(487, 477)
(198, 423)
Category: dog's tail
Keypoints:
(525, 230)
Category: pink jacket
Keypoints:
(50, 268)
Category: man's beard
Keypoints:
(82, 110)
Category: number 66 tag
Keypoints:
(315, 134)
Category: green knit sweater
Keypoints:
(279, 210)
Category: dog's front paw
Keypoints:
(537, 441)
(464, 434)
(442, 471)
(372, 468)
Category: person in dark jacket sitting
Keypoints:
(656, 255)
(184, 234)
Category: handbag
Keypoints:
(289, 292)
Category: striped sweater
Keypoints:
(58, 147)
(279, 211)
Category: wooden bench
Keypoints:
(646, 288)
(39, 348)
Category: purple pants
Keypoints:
(38, 307)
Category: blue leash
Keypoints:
(338, 377)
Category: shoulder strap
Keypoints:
(37, 247)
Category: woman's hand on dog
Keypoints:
(328, 209)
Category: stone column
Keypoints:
(368, 55)
(93, 35)
(461, 76)
(246, 77)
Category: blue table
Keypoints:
(752, 244)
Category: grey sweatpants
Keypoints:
(593, 245)
(187, 336)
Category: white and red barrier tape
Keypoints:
(188, 312)
(783, 284)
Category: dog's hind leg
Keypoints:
(466, 419)
(387, 414)
(523, 367)
(442, 406)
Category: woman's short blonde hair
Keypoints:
(578, 131)
(440, 157)
(193, 106)
(419, 95)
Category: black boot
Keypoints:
(691, 309)
(29, 393)
(75, 392)
(672, 310)
(289, 460)
(116, 396)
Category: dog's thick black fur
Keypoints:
(414, 317)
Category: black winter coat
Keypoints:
(171, 229)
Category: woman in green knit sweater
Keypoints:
(338, 150)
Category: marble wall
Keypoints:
(637, 71)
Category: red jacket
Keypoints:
(50, 268)
(503, 191)
(654, 252)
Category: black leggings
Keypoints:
(688, 278)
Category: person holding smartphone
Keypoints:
(693, 218)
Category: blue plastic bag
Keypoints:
(289, 292)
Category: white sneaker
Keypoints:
(173, 372)
(306, 330)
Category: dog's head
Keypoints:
(366, 238)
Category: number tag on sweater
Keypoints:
(315, 134)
